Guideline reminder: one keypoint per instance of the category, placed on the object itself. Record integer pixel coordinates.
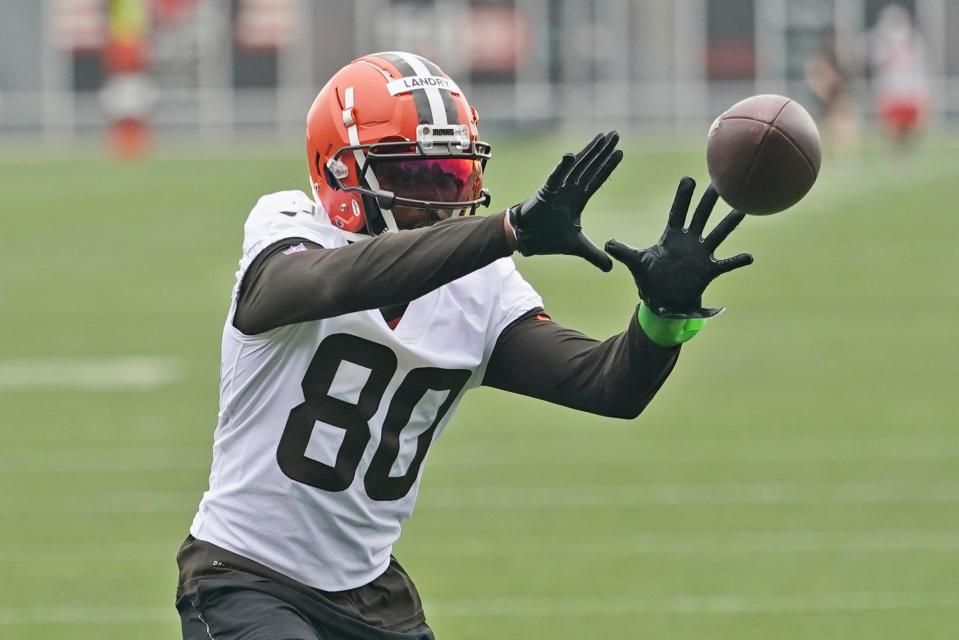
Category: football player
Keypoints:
(900, 76)
(359, 319)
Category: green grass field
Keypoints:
(797, 477)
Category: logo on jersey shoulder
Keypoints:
(294, 249)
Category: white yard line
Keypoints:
(717, 543)
(106, 459)
(525, 607)
(88, 374)
(705, 604)
(87, 614)
(758, 450)
(500, 545)
(683, 494)
(696, 451)
(512, 497)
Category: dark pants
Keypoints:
(264, 610)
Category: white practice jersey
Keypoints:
(324, 425)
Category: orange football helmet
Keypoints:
(391, 131)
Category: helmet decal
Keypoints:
(433, 104)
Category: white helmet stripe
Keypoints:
(433, 94)
(360, 157)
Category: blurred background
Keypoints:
(228, 68)
(797, 476)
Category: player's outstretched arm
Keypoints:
(282, 287)
(537, 357)
(619, 376)
(548, 222)
(672, 275)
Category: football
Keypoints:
(763, 154)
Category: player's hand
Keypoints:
(549, 222)
(672, 274)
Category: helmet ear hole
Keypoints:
(328, 175)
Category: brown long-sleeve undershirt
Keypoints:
(533, 356)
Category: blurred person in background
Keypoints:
(828, 78)
(358, 320)
(899, 77)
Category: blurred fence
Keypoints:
(227, 67)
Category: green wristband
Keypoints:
(668, 332)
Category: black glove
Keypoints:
(672, 274)
(549, 222)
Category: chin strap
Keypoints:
(389, 219)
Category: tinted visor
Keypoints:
(434, 180)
